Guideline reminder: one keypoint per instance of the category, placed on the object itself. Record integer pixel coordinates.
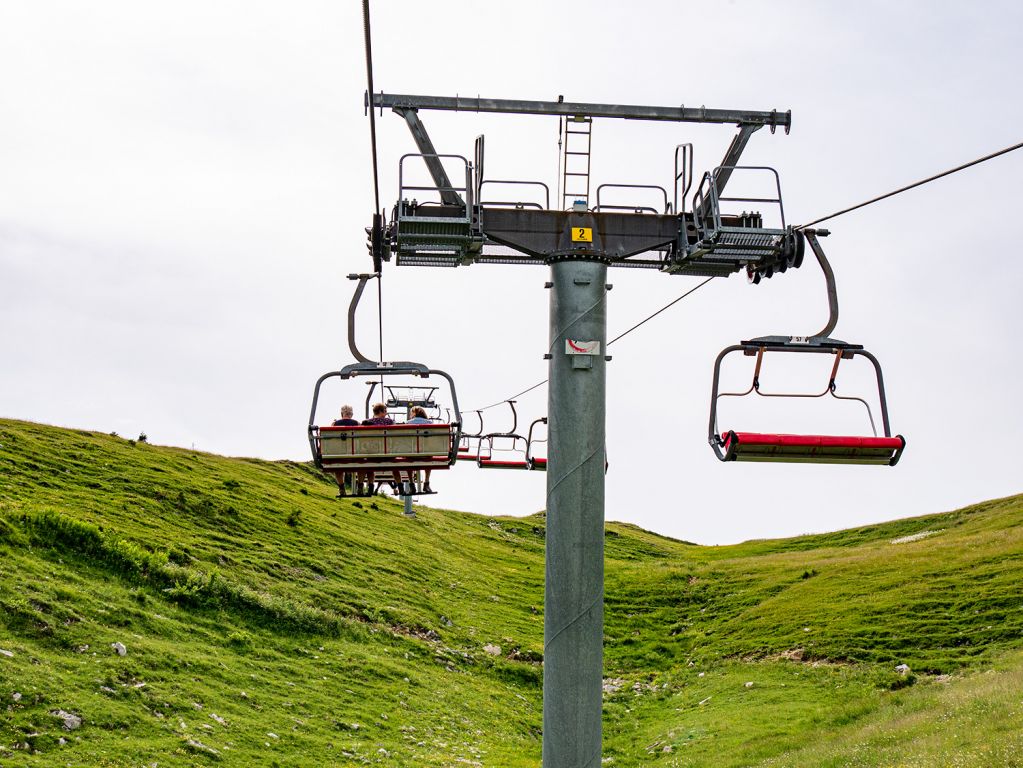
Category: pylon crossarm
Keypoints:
(680, 114)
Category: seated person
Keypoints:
(419, 417)
(346, 419)
(381, 419)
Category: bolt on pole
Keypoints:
(574, 581)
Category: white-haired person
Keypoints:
(346, 420)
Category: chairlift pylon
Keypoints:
(732, 445)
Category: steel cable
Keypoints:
(369, 104)
(376, 172)
(616, 338)
(915, 184)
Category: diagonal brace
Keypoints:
(440, 177)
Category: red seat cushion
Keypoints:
(814, 441)
(382, 426)
(496, 464)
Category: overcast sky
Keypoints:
(184, 186)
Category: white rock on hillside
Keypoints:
(70, 722)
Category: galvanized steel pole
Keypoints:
(574, 584)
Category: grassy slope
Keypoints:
(244, 589)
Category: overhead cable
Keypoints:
(915, 184)
(655, 314)
(670, 304)
(376, 173)
(369, 104)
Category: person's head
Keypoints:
(419, 412)
(346, 412)
(379, 409)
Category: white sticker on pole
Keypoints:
(578, 347)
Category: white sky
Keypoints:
(183, 187)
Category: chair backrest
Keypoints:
(385, 447)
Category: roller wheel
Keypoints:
(799, 248)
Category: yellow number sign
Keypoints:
(582, 235)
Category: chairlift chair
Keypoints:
(503, 450)
(404, 448)
(733, 445)
(466, 450)
(535, 462)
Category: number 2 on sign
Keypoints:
(582, 235)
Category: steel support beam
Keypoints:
(574, 583)
(615, 235)
(433, 164)
(731, 159)
(733, 153)
(680, 114)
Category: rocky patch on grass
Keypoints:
(197, 747)
(69, 720)
(914, 537)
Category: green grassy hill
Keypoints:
(267, 623)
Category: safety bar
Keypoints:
(686, 174)
(530, 440)
(701, 197)
(426, 401)
(546, 189)
(637, 208)
(467, 189)
(477, 164)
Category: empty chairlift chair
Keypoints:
(735, 445)
(504, 450)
